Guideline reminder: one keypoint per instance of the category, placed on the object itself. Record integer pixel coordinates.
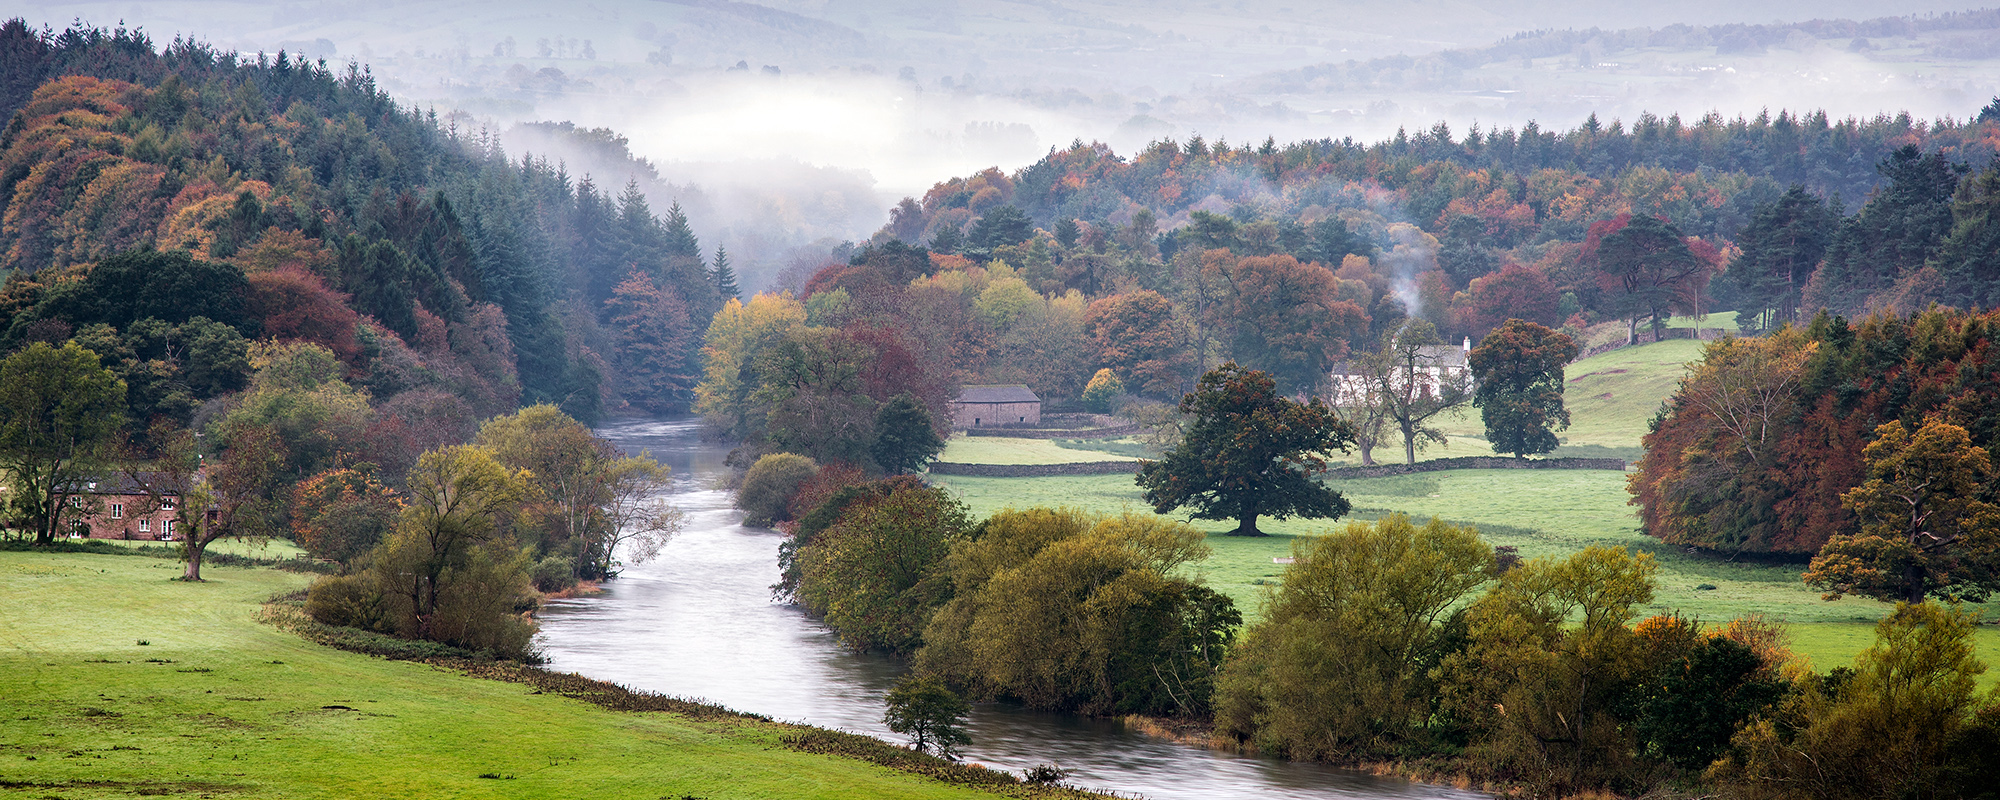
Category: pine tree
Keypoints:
(724, 277)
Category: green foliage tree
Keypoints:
(1000, 226)
(1065, 610)
(449, 572)
(737, 336)
(874, 574)
(1517, 374)
(1103, 388)
(1702, 686)
(60, 412)
(1924, 528)
(1778, 252)
(810, 383)
(1649, 260)
(1340, 667)
(768, 486)
(906, 439)
(928, 712)
(1248, 453)
(1905, 721)
(1549, 656)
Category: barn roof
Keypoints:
(996, 393)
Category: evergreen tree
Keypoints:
(948, 239)
(1781, 246)
(905, 439)
(724, 277)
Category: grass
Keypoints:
(963, 449)
(216, 704)
(1541, 512)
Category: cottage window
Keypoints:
(75, 502)
(172, 524)
(145, 525)
(117, 510)
(167, 504)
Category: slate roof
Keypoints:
(996, 393)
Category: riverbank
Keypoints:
(116, 680)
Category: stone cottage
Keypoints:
(995, 405)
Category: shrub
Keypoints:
(554, 574)
(1103, 389)
(347, 601)
(768, 487)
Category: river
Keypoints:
(698, 622)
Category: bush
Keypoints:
(554, 574)
(1103, 390)
(1064, 610)
(876, 575)
(768, 487)
(347, 601)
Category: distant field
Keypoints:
(1611, 398)
(963, 449)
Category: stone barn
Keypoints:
(993, 406)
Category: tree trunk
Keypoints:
(196, 548)
(1247, 526)
(1367, 454)
(1913, 582)
(1631, 331)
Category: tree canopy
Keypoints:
(1248, 453)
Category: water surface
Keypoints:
(699, 622)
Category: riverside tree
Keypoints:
(59, 412)
(1518, 374)
(1248, 453)
(928, 712)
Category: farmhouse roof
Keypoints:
(122, 483)
(996, 393)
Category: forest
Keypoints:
(392, 338)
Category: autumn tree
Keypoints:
(1248, 453)
(1137, 336)
(1924, 528)
(342, 513)
(60, 411)
(1415, 381)
(1287, 319)
(1517, 372)
(1514, 292)
(875, 575)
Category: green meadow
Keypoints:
(1612, 397)
(116, 681)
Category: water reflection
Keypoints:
(699, 623)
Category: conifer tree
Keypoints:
(724, 277)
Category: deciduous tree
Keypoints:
(1924, 528)
(1248, 453)
(1518, 374)
(60, 411)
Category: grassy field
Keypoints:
(116, 681)
(1541, 512)
(963, 449)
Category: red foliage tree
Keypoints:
(295, 305)
(1515, 292)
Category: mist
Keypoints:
(788, 127)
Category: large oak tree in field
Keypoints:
(1248, 453)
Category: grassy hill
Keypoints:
(116, 681)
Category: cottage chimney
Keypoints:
(1468, 344)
